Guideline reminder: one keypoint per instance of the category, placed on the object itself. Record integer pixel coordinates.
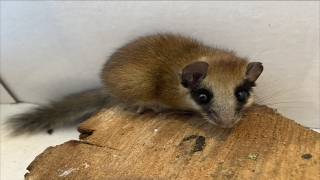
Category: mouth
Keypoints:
(214, 118)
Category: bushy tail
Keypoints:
(58, 113)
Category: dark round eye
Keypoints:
(203, 98)
(242, 95)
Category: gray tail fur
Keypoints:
(59, 113)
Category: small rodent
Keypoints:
(158, 72)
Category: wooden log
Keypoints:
(120, 144)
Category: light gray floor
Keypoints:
(17, 153)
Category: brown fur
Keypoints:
(149, 67)
(148, 73)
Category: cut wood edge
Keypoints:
(264, 145)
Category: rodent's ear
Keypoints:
(254, 69)
(193, 73)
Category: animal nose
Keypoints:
(226, 125)
(221, 121)
(228, 122)
(215, 116)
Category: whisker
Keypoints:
(276, 81)
(283, 99)
(288, 102)
(267, 86)
(294, 108)
(278, 93)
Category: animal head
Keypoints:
(221, 89)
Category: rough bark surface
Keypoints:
(120, 144)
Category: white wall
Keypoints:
(5, 96)
(50, 49)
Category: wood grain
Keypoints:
(120, 144)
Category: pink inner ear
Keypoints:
(197, 76)
(193, 72)
(254, 69)
(189, 77)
